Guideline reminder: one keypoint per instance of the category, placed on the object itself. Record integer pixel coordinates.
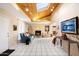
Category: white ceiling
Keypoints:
(14, 11)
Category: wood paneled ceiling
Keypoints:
(32, 11)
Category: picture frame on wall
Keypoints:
(70, 26)
(14, 27)
(46, 28)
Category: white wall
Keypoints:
(4, 24)
(8, 12)
(63, 12)
(8, 38)
(40, 26)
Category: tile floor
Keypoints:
(39, 47)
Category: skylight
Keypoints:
(41, 6)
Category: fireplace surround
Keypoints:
(38, 33)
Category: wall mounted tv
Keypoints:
(70, 26)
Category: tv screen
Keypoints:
(69, 26)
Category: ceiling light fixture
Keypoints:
(27, 9)
(51, 9)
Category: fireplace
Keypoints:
(37, 33)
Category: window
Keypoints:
(42, 6)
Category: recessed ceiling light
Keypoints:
(27, 9)
(51, 9)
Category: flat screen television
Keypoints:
(70, 26)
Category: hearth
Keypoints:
(37, 33)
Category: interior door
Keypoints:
(4, 27)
